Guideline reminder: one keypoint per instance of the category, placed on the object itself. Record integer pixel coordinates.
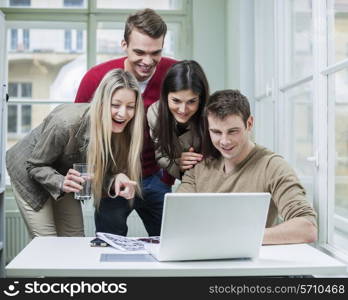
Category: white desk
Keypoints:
(73, 257)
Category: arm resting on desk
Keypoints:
(294, 231)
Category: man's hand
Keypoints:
(189, 159)
(124, 187)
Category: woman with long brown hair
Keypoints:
(176, 120)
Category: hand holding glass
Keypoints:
(85, 193)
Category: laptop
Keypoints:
(203, 226)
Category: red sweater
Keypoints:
(91, 80)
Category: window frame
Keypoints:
(323, 112)
(91, 15)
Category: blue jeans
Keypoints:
(112, 214)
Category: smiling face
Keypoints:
(183, 105)
(230, 136)
(123, 104)
(143, 54)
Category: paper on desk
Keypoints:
(124, 243)
(121, 242)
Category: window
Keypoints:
(19, 39)
(73, 3)
(341, 143)
(67, 40)
(79, 40)
(68, 4)
(19, 119)
(337, 79)
(20, 90)
(14, 39)
(19, 115)
(73, 40)
(310, 107)
(20, 2)
(26, 41)
(340, 32)
(12, 119)
(298, 136)
(110, 35)
(298, 55)
(55, 59)
(138, 4)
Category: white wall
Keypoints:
(208, 18)
(223, 43)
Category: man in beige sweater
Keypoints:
(234, 163)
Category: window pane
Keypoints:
(264, 37)
(299, 136)
(13, 90)
(341, 165)
(26, 118)
(26, 39)
(19, 2)
(79, 40)
(30, 116)
(264, 122)
(12, 118)
(44, 3)
(14, 39)
(73, 3)
(67, 40)
(55, 62)
(138, 4)
(109, 44)
(340, 51)
(298, 40)
(110, 35)
(26, 90)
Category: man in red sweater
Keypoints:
(143, 43)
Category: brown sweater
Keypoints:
(261, 171)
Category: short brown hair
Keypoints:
(228, 102)
(146, 21)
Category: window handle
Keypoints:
(314, 159)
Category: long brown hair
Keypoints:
(184, 75)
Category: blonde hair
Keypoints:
(114, 153)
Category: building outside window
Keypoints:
(19, 115)
(20, 39)
(73, 3)
(22, 3)
(67, 40)
(79, 40)
(14, 38)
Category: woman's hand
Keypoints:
(124, 187)
(189, 159)
(72, 182)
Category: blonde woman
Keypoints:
(107, 133)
